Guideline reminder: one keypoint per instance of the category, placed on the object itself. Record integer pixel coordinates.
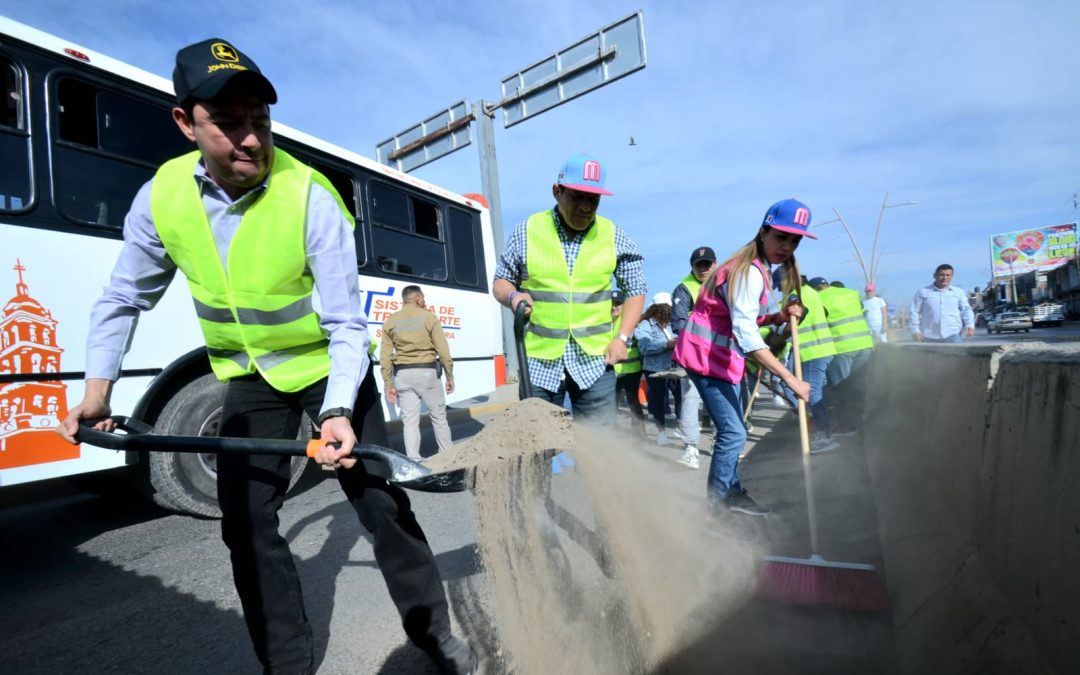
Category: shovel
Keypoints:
(379, 461)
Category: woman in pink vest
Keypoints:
(722, 332)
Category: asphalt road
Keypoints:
(115, 585)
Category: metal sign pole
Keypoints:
(489, 181)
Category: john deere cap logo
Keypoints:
(224, 52)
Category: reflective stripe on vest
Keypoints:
(565, 305)
(692, 285)
(258, 315)
(847, 323)
(815, 335)
(705, 346)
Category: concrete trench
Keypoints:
(974, 459)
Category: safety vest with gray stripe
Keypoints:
(632, 363)
(706, 345)
(850, 331)
(257, 315)
(693, 286)
(815, 335)
(568, 305)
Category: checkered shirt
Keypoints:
(629, 275)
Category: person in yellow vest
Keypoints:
(702, 263)
(817, 351)
(257, 233)
(854, 344)
(560, 263)
(627, 371)
(851, 334)
(413, 347)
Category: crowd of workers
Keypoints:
(257, 233)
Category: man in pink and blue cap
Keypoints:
(560, 262)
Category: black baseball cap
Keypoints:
(204, 68)
(702, 253)
(617, 297)
(817, 282)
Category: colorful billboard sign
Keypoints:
(1042, 248)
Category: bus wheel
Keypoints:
(187, 482)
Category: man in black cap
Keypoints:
(702, 263)
(256, 232)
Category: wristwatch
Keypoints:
(335, 412)
(625, 339)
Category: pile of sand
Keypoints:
(525, 428)
(600, 569)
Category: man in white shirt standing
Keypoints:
(941, 311)
(876, 314)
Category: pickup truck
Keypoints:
(1048, 314)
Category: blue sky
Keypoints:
(969, 108)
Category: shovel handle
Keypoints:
(141, 437)
(525, 386)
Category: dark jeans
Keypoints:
(251, 489)
(721, 399)
(656, 393)
(627, 385)
(595, 404)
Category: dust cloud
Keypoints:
(601, 568)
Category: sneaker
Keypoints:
(661, 438)
(452, 656)
(690, 457)
(823, 444)
(740, 502)
(678, 435)
(779, 402)
(844, 433)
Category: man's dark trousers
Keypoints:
(251, 489)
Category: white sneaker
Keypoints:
(677, 435)
(690, 457)
(661, 438)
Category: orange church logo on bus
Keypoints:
(29, 409)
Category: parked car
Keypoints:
(1014, 321)
(1048, 314)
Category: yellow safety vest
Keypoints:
(257, 315)
(692, 285)
(850, 331)
(566, 305)
(815, 334)
(632, 363)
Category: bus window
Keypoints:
(465, 247)
(405, 234)
(14, 141)
(346, 187)
(107, 146)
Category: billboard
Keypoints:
(1042, 248)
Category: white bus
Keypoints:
(79, 133)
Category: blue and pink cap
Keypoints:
(584, 173)
(789, 215)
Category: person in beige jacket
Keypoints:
(412, 346)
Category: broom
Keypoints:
(815, 581)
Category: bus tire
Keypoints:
(187, 482)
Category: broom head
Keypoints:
(816, 582)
